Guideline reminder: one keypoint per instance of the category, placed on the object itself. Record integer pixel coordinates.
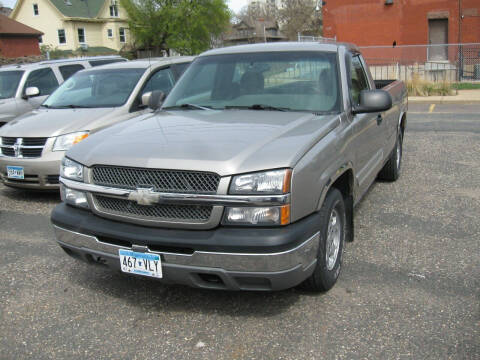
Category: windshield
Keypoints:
(96, 88)
(9, 83)
(287, 81)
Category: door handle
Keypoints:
(379, 119)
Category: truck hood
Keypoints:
(52, 122)
(225, 142)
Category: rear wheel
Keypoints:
(332, 240)
(391, 170)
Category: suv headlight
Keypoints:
(71, 170)
(65, 142)
(272, 182)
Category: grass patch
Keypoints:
(466, 86)
(420, 87)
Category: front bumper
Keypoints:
(223, 258)
(40, 173)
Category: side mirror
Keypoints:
(373, 101)
(146, 98)
(31, 92)
(155, 99)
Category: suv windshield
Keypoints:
(95, 88)
(9, 83)
(286, 81)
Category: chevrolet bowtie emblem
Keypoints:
(144, 196)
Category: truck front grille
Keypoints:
(22, 147)
(122, 207)
(173, 181)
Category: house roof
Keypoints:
(79, 8)
(11, 27)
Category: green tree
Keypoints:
(186, 26)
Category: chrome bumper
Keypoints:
(301, 256)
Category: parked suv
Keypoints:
(24, 87)
(32, 146)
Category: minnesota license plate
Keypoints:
(15, 172)
(140, 263)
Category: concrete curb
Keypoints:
(429, 100)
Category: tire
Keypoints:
(326, 271)
(391, 170)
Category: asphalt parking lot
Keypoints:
(409, 288)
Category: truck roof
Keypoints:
(281, 46)
(58, 61)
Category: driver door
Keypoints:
(367, 140)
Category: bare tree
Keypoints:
(258, 11)
(300, 16)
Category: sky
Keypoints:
(235, 5)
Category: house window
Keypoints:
(40, 40)
(81, 35)
(114, 10)
(61, 36)
(35, 9)
(122, 34)
(109, 33)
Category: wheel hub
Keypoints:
(333, 239)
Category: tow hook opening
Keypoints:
(212, 279)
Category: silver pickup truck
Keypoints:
(245, 178)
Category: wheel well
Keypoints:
(403, 123)
(345, 185)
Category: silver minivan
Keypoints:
(24, 87)
(32, 146)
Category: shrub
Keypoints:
(420, 87)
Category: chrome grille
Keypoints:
(122, 207)
(173, 181)
(8, 140)
(22, 147)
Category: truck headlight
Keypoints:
(273, 182)
(260, 216)
(73, 197)
(71, 170)
(65, 142)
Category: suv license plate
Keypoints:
(145, 264)
(15, 172)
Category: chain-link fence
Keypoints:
(434, 63)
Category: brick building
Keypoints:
(404, 22)
(17, 39)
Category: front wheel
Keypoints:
(332, 240)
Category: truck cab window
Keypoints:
(359, 80)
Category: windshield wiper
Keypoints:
(46, 106)
(70, 106)
(258, 107)
(188, 107)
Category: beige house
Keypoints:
(74, 24)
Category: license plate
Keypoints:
(140, 263)
(15, 172)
